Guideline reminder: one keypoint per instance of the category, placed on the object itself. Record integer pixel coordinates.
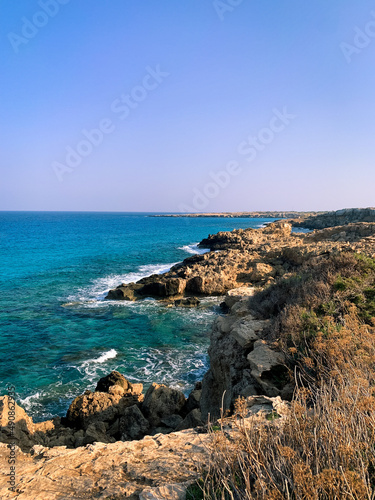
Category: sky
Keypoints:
(189, 106)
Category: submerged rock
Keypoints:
(187, 302)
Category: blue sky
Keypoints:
(218, 73)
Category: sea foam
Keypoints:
(193, 249)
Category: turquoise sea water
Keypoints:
(57, 334)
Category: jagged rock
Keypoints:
(113, 379)
(124, 292)
(246, 386)
(192, 420)
(260, 271)
(118, 470)
(268, 368)
(161, 401)
(132, 424)
(25, 433)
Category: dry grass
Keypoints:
(325, 449)
(323, 319)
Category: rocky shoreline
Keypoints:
(117, 424)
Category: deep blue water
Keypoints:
(57, 334)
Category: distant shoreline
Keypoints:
(246, 215)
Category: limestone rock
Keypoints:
(92, 407)
(227, 364)
(246, 331)
(161, 401)
(172, 421)
(193, 401)
(237, 294)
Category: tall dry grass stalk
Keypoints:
(325, 449)
(323, 318)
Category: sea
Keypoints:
(58, 334)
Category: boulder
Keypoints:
(132, 424)
(161, 401)
(124, 292)
(172, 421)
(93, 407)
(113, 379)
(96, 433)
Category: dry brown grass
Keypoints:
(325, 449)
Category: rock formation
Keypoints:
(157, 467)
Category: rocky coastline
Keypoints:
(118, 441)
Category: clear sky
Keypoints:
(203, 105)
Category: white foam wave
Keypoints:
(105, 356)
(91, 368)
(97, 291)
(30, 400)
(193, 249)
(112, 353)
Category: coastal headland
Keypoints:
(119, 442)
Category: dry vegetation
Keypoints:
(323, 317)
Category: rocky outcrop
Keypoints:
(156, 467)
(248, 257)
(337, 218)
